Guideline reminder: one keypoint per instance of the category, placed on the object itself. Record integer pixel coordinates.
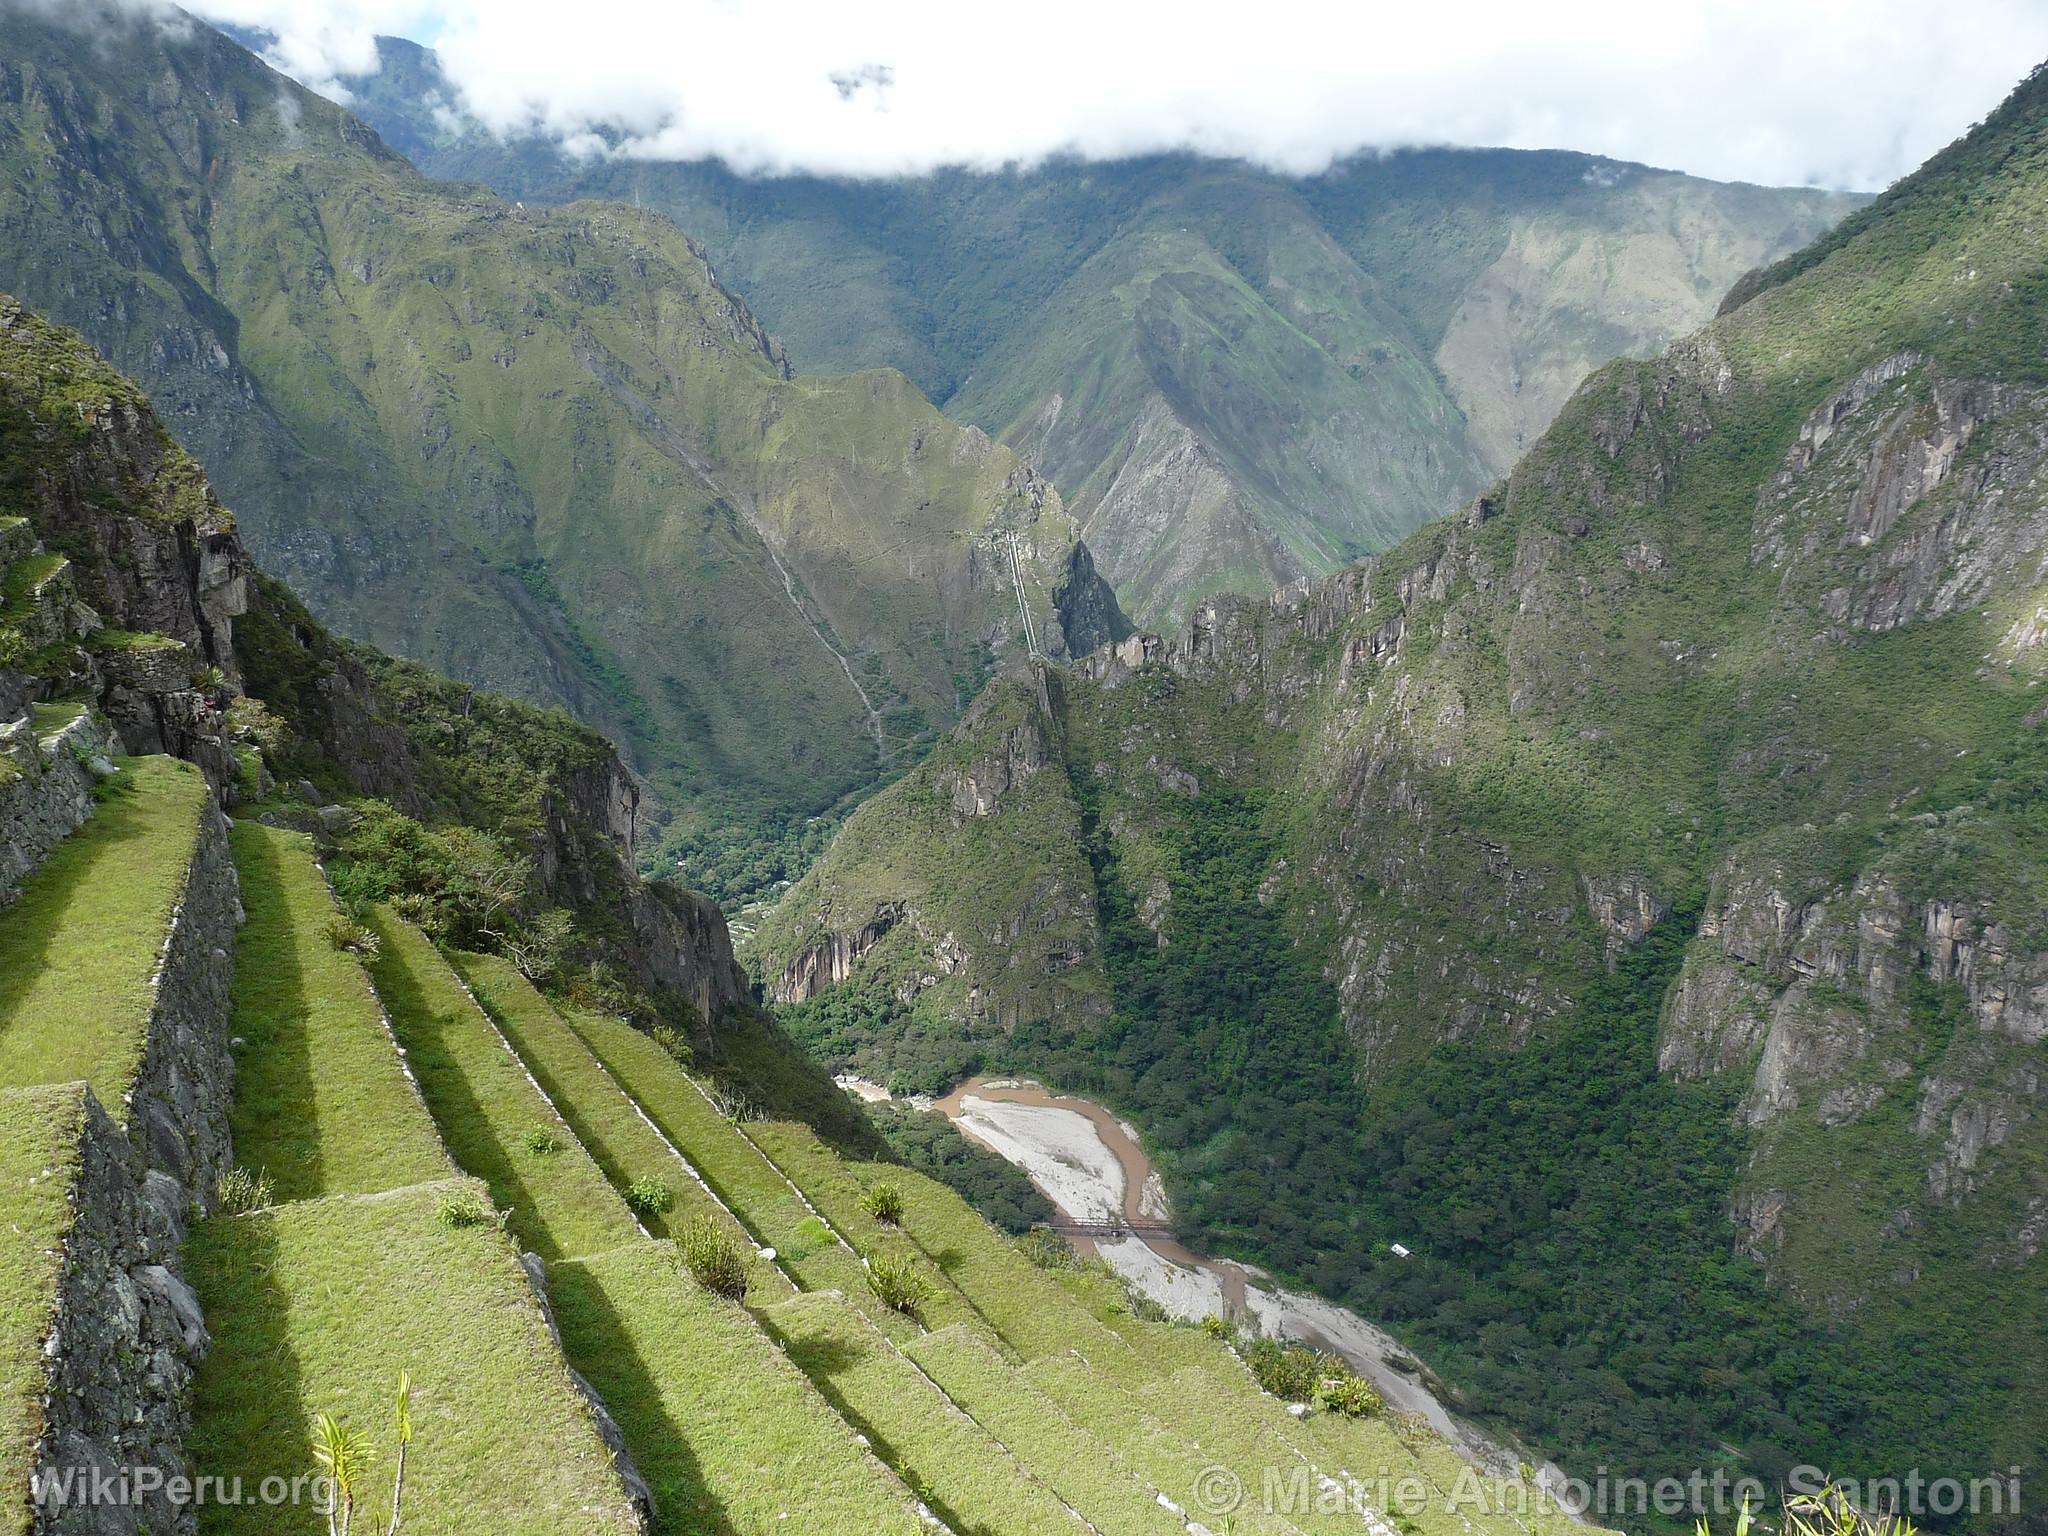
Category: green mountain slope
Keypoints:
(1628, 893)
(1234, 378)
(544, 451)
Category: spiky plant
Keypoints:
(884, 1202)
(898, 1282)
(343, 1456)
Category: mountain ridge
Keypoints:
(1670, 808)
(543, 449)
(1395, 329)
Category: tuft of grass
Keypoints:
(344, 933)
(714, 1260)
(467, 1209)
(541, 1141)
(899, 1282)
(884, 1202)
(650, 1197)
(241, 1190)
(1046, 1249)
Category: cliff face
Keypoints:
(1750, 641)
(127, 581)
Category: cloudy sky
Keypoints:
(1846, 93)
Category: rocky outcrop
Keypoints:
(1625, 909)
(831, 960)
(1087, 607)
(977, 787)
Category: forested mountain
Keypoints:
(542, 450)
(1627, 893)
(1234, 378)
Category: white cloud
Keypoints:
(1840, 92)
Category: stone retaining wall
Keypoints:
(129, 1331)
(51, 796)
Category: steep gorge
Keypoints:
(1673, 808)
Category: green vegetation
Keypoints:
(898, 1282)
(649, 1197)
(932, 1145)
(242, 1190)
(607, 468)
(316, 1307)
(970, 1481)
(885, 1203)
(708, 1403)
(39, 1156)
(79, 948)
(322, 1103)
(1089, 1475)
(713, 1259)
(727, 1160)
(1343, 355)
(484, 1103)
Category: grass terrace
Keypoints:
(317, 1306)
(1169, 1453)
(731, 1164)
(727, 1431)
(604, 1118)
(953, 1464)
(487, 1107)
(1089, 1475)
(78, 950)
(322, 1103)
(39, 1156)
(831, 1186)
(1022, 1303)
(49, 719)
(25, 579)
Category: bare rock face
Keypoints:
(831, 960)
(1625, 908)
(978, 788)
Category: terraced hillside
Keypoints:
(296, 1157)
(440, 1174)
